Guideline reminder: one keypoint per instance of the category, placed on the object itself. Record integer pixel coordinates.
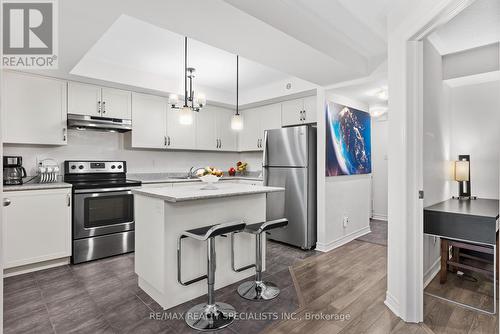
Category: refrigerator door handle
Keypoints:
(264, 157)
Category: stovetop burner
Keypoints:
(97, 174)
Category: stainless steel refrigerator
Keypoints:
(289, 161)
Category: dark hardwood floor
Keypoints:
(341, 291)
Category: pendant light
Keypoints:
(237, 119)
(191, 103)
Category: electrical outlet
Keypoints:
(345, 221)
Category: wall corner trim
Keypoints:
(328, 246)
(432, 272)
(392, 303)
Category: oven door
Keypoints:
(102, 211)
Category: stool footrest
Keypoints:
(179, 267)
(232, 258)
(194, 280)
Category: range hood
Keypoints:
(83, 122)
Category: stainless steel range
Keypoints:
(103, 209)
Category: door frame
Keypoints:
(405, 275)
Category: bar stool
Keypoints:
(257, 290)
(210, 315)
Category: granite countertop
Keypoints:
(37, 186)
(194, 192)
(150, 178)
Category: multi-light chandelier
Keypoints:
(192, 102)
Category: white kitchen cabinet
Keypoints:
(228, 138)
(84, 99)
(180, 136)
(33, 109)
(36, 226)
(149, 121)
(270, 118)
(249, 136)
(299, 111)
(206, 129)
(213, 130)
(255, 122)
(310, 109)
(92, 100)
(116, 103)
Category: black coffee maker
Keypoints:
(13, 170)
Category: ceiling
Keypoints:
(137, 45)
(352, 31)
(123, 55)
(477, 25)
(363, 90)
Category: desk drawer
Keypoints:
(463, 227)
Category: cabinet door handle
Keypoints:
(98, 107)
(68, 199)
(103, 107)
(64, 134)
(168, 141)
(165, 141)
(216, 142)
(220, 143)
(305, 115)
(6, 202)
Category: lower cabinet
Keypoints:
(36, 226)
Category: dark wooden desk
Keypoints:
(469, 224)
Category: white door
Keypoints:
(37, 226)
(34, 109)
(116, 103)
(249, 136)
(270, 118)
(149, 121)
(228, 138)
(206, 133)
(84, 99)
(180, 136)
(310, 114)
(291, 112)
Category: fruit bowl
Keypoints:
(209, 179)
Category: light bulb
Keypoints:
(201, 99)
(186, 116)
(173, 99)
(237, 122)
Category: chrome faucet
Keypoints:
(193, 170)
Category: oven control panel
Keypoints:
(83, 167)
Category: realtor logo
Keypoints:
(29, 34)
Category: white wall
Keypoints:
(379, 167)
(94, 145)
(436, 147)
(344, 196)
(475, 112)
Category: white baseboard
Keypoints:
(379, 216)
(326, 247)
(35, 267)
(392, 303)
(432, 272)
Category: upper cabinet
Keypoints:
(299, 111)
(149, 121)
(84, 99)
(180, 136)
(256, 122)
(34, 109)
(213, 130)
(116, 103)
(227, 137)
(91, 100)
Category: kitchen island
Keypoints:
(163, 213)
